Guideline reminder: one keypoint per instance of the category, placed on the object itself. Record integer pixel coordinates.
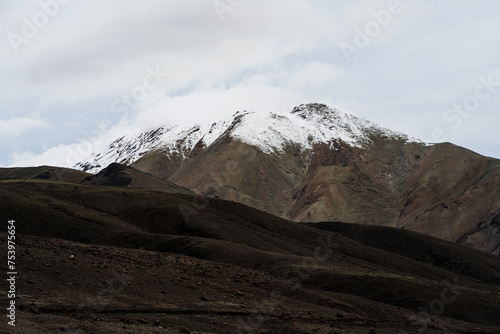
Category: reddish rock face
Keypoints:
(454, 194)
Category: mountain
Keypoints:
(107, 259)
(271, 132)
(118, 175)
(44, 173)
(319, 163)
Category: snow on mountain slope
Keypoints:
(305, 125)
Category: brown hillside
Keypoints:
(233, 258)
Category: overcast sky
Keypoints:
(76, 70)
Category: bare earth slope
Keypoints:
(453, 194)
(43, 173)
(441, 190)
(119, 175)
(215, 266)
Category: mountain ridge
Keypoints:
(318, 163)
(270, 131)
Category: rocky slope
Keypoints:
(104, 259)
(318, 163)
(118, 175)
(44, 173)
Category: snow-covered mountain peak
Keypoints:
(337, 118)
(270, 131)
(314, 110)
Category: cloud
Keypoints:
(55, 156)
(218, 103)
(314, 75)
(262, 55)
(15, 127)
(103, 48)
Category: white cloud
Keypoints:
(314, 75)
(17, 126)
(103, 48)
(263, 55)
(55, 156)
(213, 104)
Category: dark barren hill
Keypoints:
(43, 173)
(106, 259)
(119, 175)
